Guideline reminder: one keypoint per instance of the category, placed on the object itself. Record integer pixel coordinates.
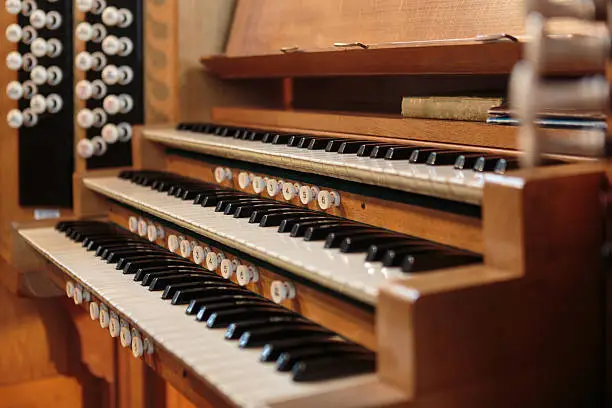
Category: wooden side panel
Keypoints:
(52, 392)
(266, 26)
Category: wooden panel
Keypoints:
(356, 323)
(86, 203)
(391, 126)
(525, 323)
(265, 26)
(444, 227)
(52, 392)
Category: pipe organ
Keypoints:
(300, 243)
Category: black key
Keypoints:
(160, 282)
(213, 199)
(199, 296)
(366, 149)
(133, 266)
(235, 330)
(447, 158)
(334, 144)
(293, 141)
(274, 220)
(305, 142)
(288, 359)
(395, 257)
(238, 201)
(299, 229)
(320, 369)
(377, 251)
(268, 137)
(420, 155)
(261, 336)
(148, 278)
(197, 303)
(125, 255)
(287, 224)
(353, 147)
(273, 350)
(320, 233)
(245, 211)
(335, 239)
(226, 317)
(399, 153)
(280, 139)
(361, 243)
(206, 311)
(105, 251)
(465, 162)
(380, 151)
(255, 136)
(428, 262)
(258, 214)
(141, 273)
(171, 290)
(318, 144)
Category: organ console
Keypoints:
(277, 252)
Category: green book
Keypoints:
(468, 108)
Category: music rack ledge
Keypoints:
(470, 58)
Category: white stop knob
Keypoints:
(137, 346)
(328, 199)
(99, 33)
(38, 19)
(110, 16)
(54, 75)
(78, 295)
(125, 18)
(84, 31)
(246, 275)
(282, 291)
(173, 243)
(111, 45)
(114, 326)
(98, 6)
(87, 148)
(133, 224)
(13, 6)
(13, 33)
(308, 194)
(185, 247)
(112, 104)
(125, 335)
(125, 132)
(213, 260)
(199, 254)
(151, 231)
(227, 268)
(222, 174)
(126, 46)
(14, 90)
(104, 316)
(110, 133)
(84, 89)
(244, 179)
(14, 118)
(69, 289)
(273, 187)
(84, 5)
(290, 190)
(28, 7)
(54, 103)
(54, 47)
(14, 60)
(87, 118)
(29, 89)
(94, 311)
(39, 47)
(38, 104)
(83, 61)
(110, 75)
(29, 62)
(126, 75)
(259, 184)
(142, 228)
(28, 34)
(54, 20)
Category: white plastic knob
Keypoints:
(84, 31)
(39, 47)
(14, 90)
(13, 33)
(133, 224)
(83, 61)
(110, 133)
(29, 89)
(126, 103)
(78, 295)
(53, 20)
(126, 75)
(137, 346)
(28, 34)
(98, 6)
(99, 61)
(282, 291)
(87, 118)
(84, 90)
(290, 190)
(84, 5)
(29, 62)
(55, 103)
(111, 45)
(247, 274)
(125, 18)
(13, 6)
(213, 260)
(272, 187)
(30, 118)
(259, 184)
(244, 179)
(38, 19)
(151, 231)
(28, 7)
(54, 75)
(87, 148)
(69, 289)
(328, 199)
(173, 243)
(38, 104)
(114, 326)
(14, 60)
(143, 227)
(86, 296)
(199, 254)
(54, 47)
(110, 16)
(222, 174)
(126, 46)
(110, 75)
(14, 118)
(228, 267)
(125, 132)
(308, 194)
(103, 316)
(112, 104)
(185, 247)
(125, 335)
(94, 311)
(99, 33)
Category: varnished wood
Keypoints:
(56, 391)
(434, 132)
(524, 323)
(86, 203)
(356, 323)
(440, 226)
(146, 154)
(266, 26)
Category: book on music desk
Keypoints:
(467, 108)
